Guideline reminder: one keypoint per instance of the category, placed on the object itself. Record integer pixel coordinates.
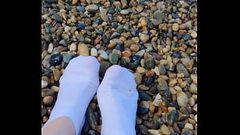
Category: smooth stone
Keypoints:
(144, 104)
(144, 38)
(148, 80)
(91, 7)
(150, 63)
(182, 98)
(181, 69)
(124, 12)
(145, 97)
(166, 95)
(159, 15)
(113, 58)
(188, 126)
(104, 65)
(44, 84)
(55, 88)
(67, 57)
(186, 36)
(56, 74)
(153, 88)
(154, 132)
(162, 69)
(140, 53)
(172, 117)
(83, 50)
(50, 48)
(57, 17)
(162, 85)
(165, 130)
(47, 101)
(193, 88)
(157, 100)
(119, 47)
(47, 92)
(142, 111)
(136, 59)
(55, 59)
(114, 35)
(143, 129)
(104, 55)
(123, 63)
(137, 78)
(94, 52)
(173, 104)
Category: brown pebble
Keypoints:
(126, 53)
(134, 47)
(137, 78)
(47, 100)
(159, 112)
(55, 88)
(151, 106)
(175, 27)
(176, 128)
(44, 119)
(56, 74)
(149, 73)
(45, 78)
(83, 50)
(163, 106)
(112, 44)
(144, 38)
(162, 26)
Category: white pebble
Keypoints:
(195, 117)
(94, 52)
(157, 100)
(50, 48)
(44, 84)
(189, 126)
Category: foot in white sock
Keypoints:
(117, 98)
(78, 85)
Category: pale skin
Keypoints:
(60, 126)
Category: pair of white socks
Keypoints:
(117, 96)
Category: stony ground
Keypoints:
(155, 39)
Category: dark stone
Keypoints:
(104, 65)
(142, 111)
(55, 59)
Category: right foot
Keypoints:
(117, 98)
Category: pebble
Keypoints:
(55, 59)
(83, 50)
(165, 130)
(182, 98)
(44, 84)
(113, 58)
(94, 52)
(47, 100)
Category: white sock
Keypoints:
(78, 85)
(117, 98)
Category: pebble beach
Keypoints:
(156, 40)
